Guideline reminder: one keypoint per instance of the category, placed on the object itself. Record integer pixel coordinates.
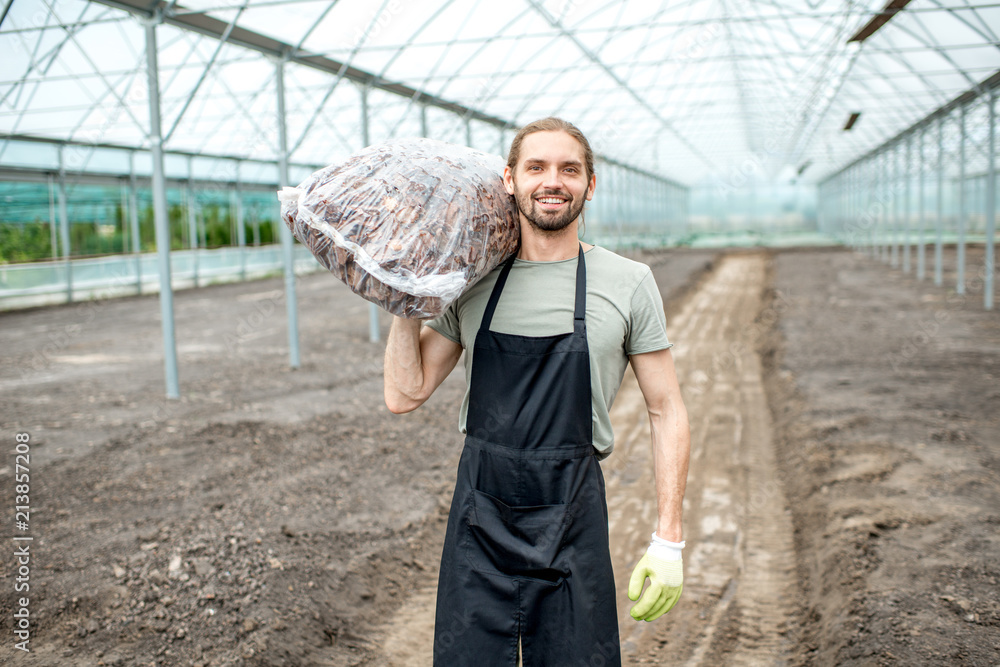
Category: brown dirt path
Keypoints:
(740, 592)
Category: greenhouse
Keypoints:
(812, 184)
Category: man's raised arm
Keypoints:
(417, 360)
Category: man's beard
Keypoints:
(544, 220)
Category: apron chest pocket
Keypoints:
(522, 542)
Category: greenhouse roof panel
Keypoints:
(688, 90)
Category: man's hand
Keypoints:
(663, 566)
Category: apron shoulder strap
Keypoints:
(580, 310)
(495, 294)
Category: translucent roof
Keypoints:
(695, 91)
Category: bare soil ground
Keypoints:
(842, 508)
(885, 393)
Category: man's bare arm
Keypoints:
(417, 360)
(671, 437)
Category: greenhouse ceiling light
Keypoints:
(852, 120)
(891, 8)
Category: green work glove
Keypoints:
(663, 565)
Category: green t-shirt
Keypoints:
(624, 317)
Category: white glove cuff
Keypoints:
(664, 549)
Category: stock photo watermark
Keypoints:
(22, 541)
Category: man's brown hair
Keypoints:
(551, 124)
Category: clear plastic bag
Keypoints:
(409, 224)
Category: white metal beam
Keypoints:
(160, 219)
(287, 242)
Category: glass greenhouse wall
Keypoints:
(931, 185)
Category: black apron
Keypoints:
(526, 551)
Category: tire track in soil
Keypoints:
(740, 594)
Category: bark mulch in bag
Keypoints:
(409, 224)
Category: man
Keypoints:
(526, 562)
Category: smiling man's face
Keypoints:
(550, 180)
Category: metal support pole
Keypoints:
(468, 132)
(287, 242)
(820, 206)
(134, 221)
(864, 207)
(873, 192)
(876, 206)
(836, 205)
(241, 231)
(423, 121)
(858, 231)
(822, 198)
(921, 218)
(960, 269)
(663, 204)
(852, 220)
(991, 206)
(890, 223)
(666, 221)
(685, 199)
(859, 205)
(855, 207)
(668, 210)
(842, 200)
(894, 262)
(851, 233)
(672, 204)
(53, 221)
(193, 230)
(160, 218)
(907, 204)
(939, 225)
(192, 221)
(373, 327)
(844, 181)
(124, 209)
(658, 209)
(837, 200)
(878, 223)
(886, 208)
(864, 221)
(846, 184)
(652, 207)
(201, 231)
(832, 206)
(64, 228)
